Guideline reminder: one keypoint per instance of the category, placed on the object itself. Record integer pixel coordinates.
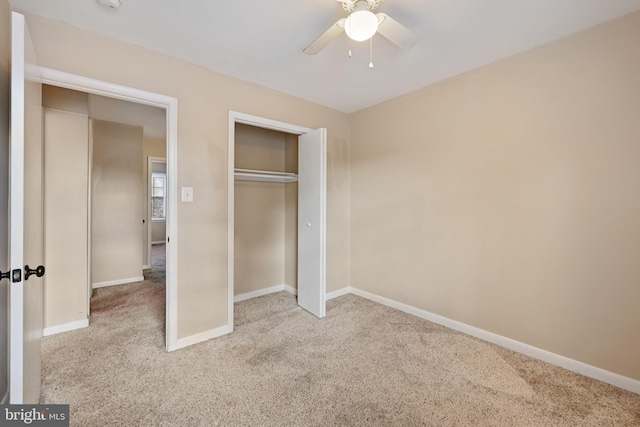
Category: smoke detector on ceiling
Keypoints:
(111, 4)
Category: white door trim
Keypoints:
(264, 123)
(89, 204)
(170, 104)
(261, 122)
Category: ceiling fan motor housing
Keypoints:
(352, 5)
(111, 4)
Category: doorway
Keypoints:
(156, 230)
(156, 220)
(169, 104)
(311, 217)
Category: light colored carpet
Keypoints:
(364, 364)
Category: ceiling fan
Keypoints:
(362, 24)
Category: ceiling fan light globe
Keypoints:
(361, 25)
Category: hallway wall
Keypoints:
(116, 204)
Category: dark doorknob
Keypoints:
(38, 271)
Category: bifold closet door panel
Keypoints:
(66, 178)
(312, 221)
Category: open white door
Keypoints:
(25, 219)
(312, 190)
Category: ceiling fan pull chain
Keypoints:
(371, 52)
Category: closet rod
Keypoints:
(264, 176)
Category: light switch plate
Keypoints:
(187, 194)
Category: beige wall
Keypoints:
(507, 198)
(151, 147)
(258, 148)
(66, 177)
(158, 231)
(259, 236)
(65, 99)
(116, 202)
(5, 55)
(204, 100)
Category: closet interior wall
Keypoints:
(265, 212)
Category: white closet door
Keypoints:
(25, 220)
(312, 189)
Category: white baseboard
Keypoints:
(599, 374)
(158, 242)
(118, 282)
(146, 267)
(226, 329)
(203, 336)
(265, 291)
(66, 327)
(338, 293)
(290, 289)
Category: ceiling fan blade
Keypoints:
(334, 31)
(395, 32)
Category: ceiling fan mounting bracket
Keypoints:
(351, 5)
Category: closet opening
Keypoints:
(266, 200)
(277, 211)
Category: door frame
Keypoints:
(260, 122)
(170, 105)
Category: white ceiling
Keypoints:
(262, 41)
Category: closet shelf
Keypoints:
(264, 176)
